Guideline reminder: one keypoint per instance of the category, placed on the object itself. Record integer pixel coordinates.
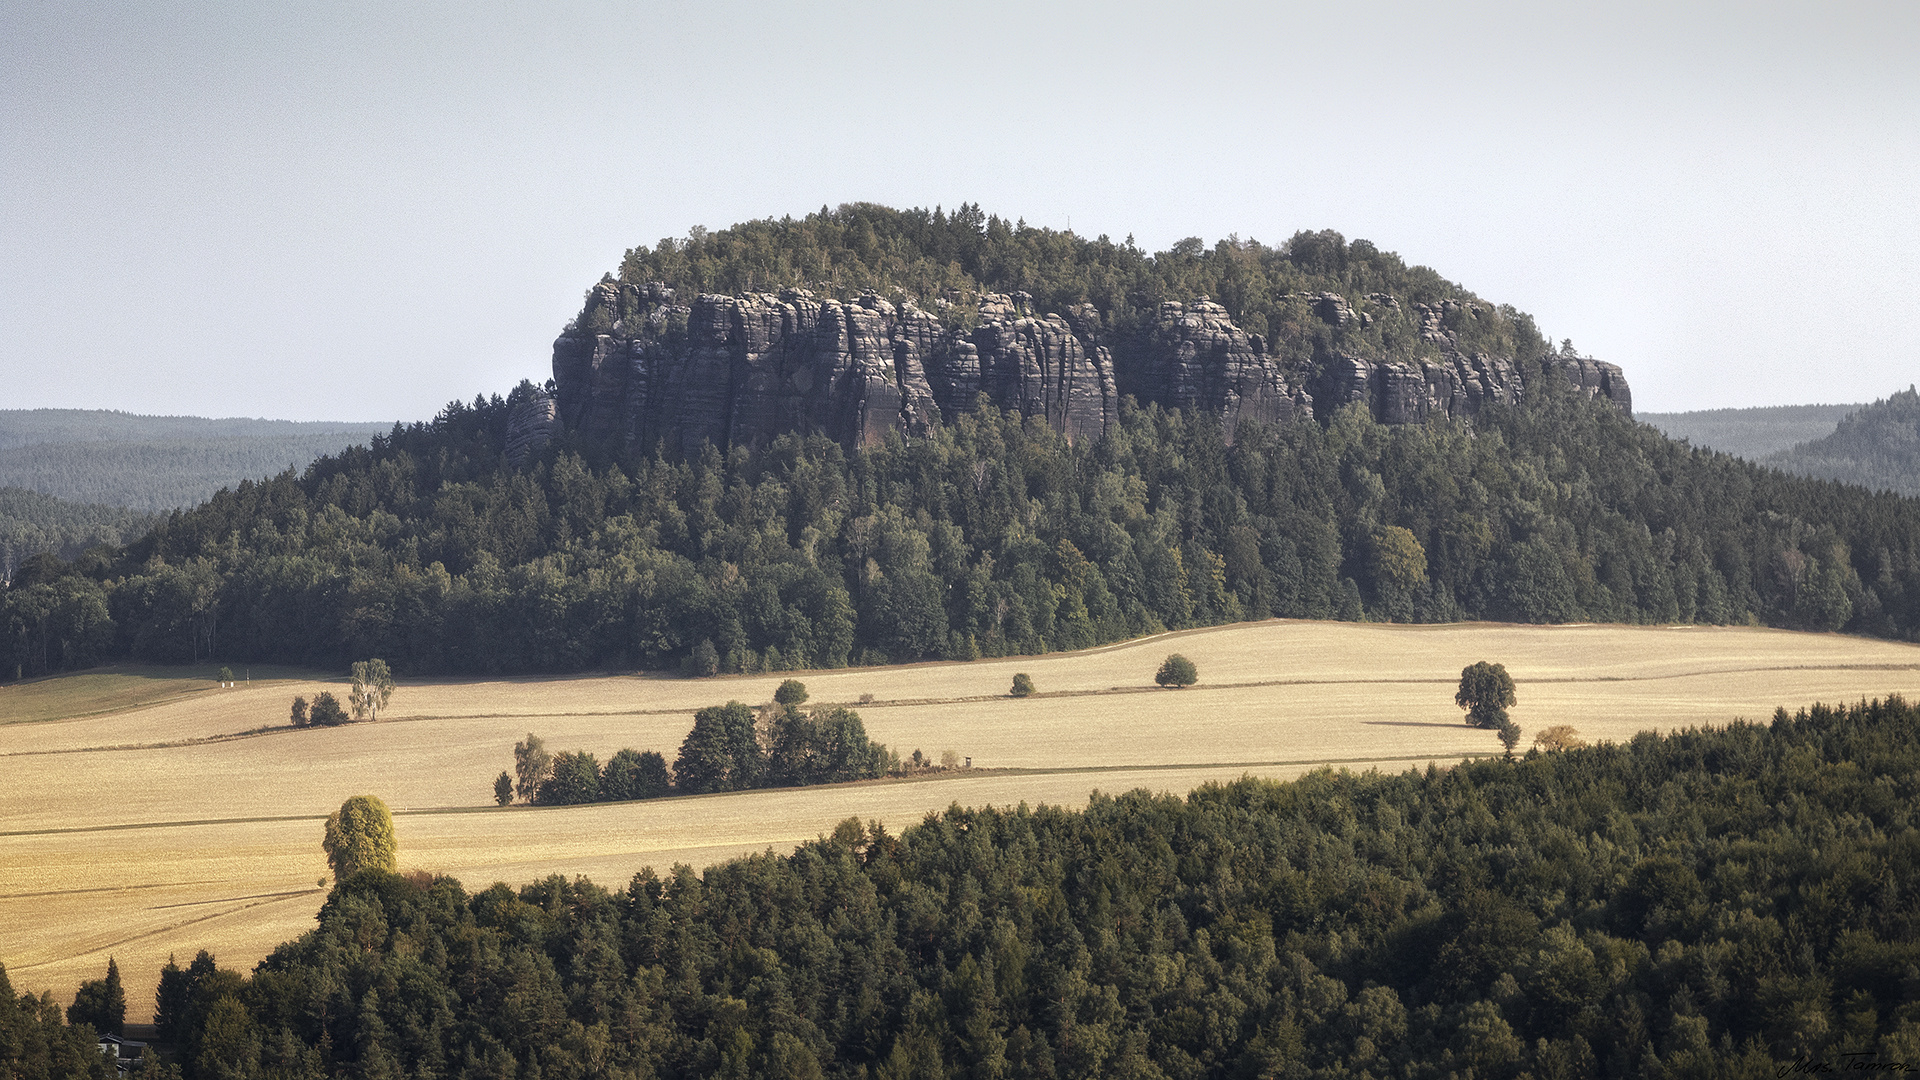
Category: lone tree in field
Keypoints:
(1177, 671)
(791, 692)
(532, 765)
(299, 714)
(503, 788)
(1485, 692)
(1022, 685)
(372, 686)
(360, 837)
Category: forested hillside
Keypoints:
(991, 536)
(32, 523)
(1711, 904)
(1876, 447)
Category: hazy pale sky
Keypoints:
(362, 210)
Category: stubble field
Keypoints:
(147, 823)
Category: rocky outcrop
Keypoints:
(639, 369)
(1195, 358)
(740, 370)
(532, 421)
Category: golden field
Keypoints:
(134, 823)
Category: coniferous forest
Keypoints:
(1722, 903)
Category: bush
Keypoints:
(1022, 685)
(326, 711)
(1177, 671)
(299, 715)
(791, 692)
(1559, 737)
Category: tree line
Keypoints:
(1714, 903)
(992, 537)
(731, 747)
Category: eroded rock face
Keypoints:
(531, 424)
(639, 369)
(740, 370)
(1196, 358)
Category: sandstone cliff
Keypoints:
(640, 368)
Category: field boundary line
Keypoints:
(936, 777)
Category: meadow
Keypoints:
(150, 812)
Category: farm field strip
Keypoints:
(930, 778)
(208, 837)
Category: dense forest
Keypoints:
(1721, 903)
(993, 536)
(32, 523)
(1876, 447)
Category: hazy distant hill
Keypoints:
(154, 463)
(1877, 447)
(1751, 433)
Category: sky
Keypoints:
(360, 211)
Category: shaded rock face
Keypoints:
(532, 423)
(740, 370)
(1194, 357)
(639, 369)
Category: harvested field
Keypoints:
(137, 824)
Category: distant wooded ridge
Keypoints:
(1876, 446)
(157, 463)
(1751, 433)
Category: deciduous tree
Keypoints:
(359, 836)
(1486, 690)
(1177, 671)
(372, 687)
(531, 765)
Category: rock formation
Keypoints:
(532, 422)
(638, 368)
